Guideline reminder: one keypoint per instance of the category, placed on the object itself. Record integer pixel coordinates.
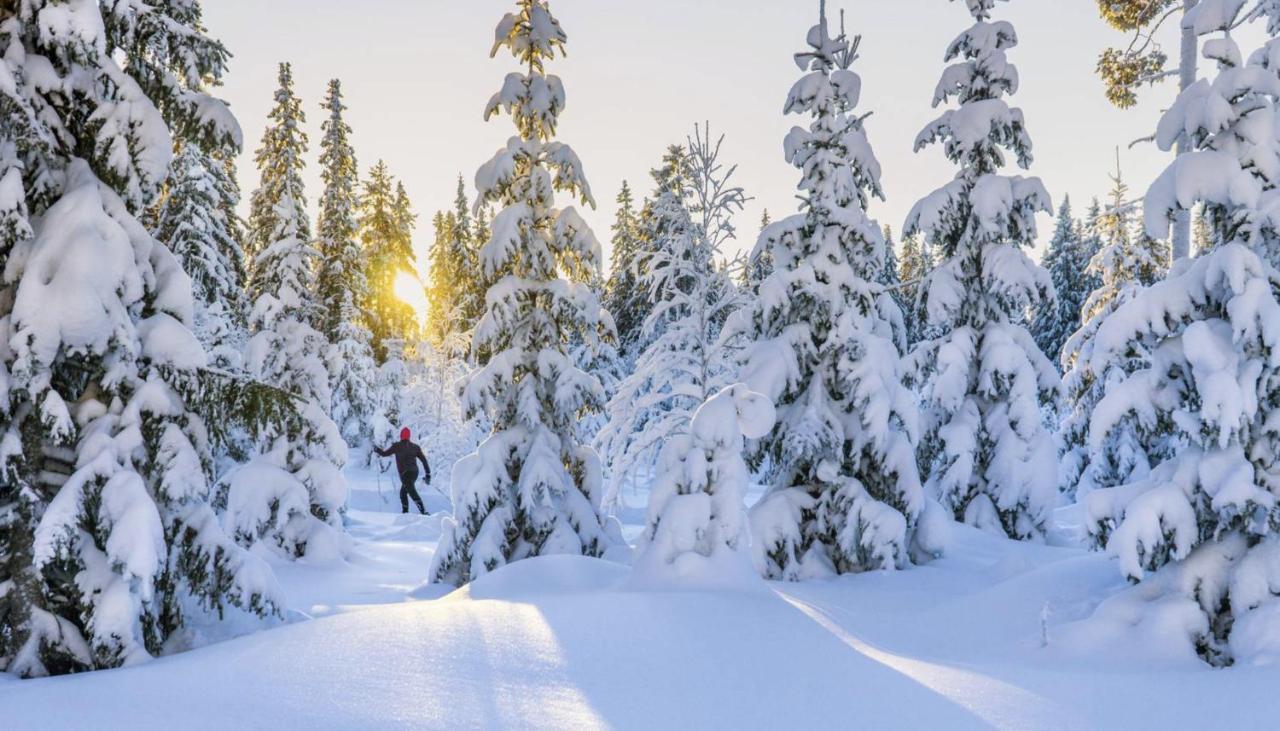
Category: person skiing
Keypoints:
(406, 452)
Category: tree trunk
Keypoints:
(1186, 77)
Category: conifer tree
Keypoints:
(889, 270)
(280, 160)
(386, 235)
(1202, 531)
(197, 222)
(982, 379)
(844, 492)
(1067, 265)
(662, 218)
(340, 283)
(1124, 263)
(108, 541)
(916, 262)
(686, 360)
(291, 495)
(625, 295)
(530, 489)
(450, 288)
(758, 265)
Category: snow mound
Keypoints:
(546, 575)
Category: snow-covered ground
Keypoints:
(988, 637)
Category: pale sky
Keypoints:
(640, 73)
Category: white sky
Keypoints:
(640, 74)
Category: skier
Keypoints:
(405, 453)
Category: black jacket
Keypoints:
(405, 453)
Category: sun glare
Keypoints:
(409, 289)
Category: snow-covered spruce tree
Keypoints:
(625, 295)
(915, 263)
(340, 283)
(888, 277)
(292, 494)
(1126, 261)
(386, 234)
(757, 266)
(450, 286)
(471, 285)
(110, 545)
(530, 489)
(696, 533)
(1067, 265)
(663, 216)
(687, 360)
(280, 163)
(825, 346)
(1202, 532)
(197, 223)
(982, 379)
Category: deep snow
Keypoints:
(558, 642)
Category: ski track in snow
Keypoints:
(555, 643)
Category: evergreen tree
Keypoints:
(450, 289)
(759, 263)
(888, 277)
(1202, 531)
(197, 223)
(662, 218)
(1124, 263)
(386, 235)
(844, 493)
(530, 489)
(687, 360)
(915, 264)
(108, 541)
(340, 272)
(280, 160)
(625, 296)
(340, 282)
(982, 379)
(1066, 263)
(290, 496)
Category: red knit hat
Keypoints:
(404, 433)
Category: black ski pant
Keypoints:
(407, 490)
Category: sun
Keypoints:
(409, 289)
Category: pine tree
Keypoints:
(686, 360)
(108, 541)
(888, 277)
(198, 224)
(530, 489)
(915, 264)
(280, 160)
(291, 495)
(662, 218)
(844, 493)
(1124, 263)
(386, 235)
(625, 295)
(450, 289)
(1202, 531)
(340, 282)
(982, 379)
(759, 263)
(1066, 264)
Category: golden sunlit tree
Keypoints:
(386, 236)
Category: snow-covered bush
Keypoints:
(696, 533)
(530, 489)
(1208, 347)
(826, 338)
(685, 360)
(985, 450)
